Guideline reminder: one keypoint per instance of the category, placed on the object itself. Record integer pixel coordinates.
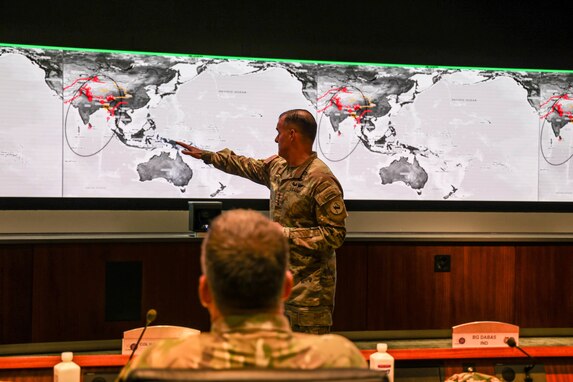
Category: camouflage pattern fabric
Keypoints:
(307, 200)
(259, 341)
(472, 377)
(309, 319)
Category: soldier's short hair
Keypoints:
(245, 257)
(304, 120)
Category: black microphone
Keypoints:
(150, 317)
(512, 344)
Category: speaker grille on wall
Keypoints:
(201, 214)
(123, 290)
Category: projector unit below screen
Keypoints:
(201, 214)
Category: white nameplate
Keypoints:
(152, 335)
(483, 334)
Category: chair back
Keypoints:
(270, 375)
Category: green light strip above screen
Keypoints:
(193, 55)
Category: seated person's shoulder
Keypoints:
(184, 352)
(337, 351)
(335, 340)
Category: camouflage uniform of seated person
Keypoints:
(306, 201)
(244, 284)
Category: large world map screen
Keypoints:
(103, 124)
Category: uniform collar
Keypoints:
(297, 171)
(251, 323)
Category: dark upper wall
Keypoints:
(428, 32)
(411, 32)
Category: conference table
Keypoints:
(416, 364)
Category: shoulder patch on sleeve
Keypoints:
(336, 207)
(326, 195)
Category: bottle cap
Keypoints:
(381, 348)
(67, 356)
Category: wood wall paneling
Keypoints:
(69, 292)
(56, 291)
(69, 288)
(170, 279)
(394, 281)
(15, 293)
(544, 286)
(351, 300)
(483, 284)
(405, 293)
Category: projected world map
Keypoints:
(104, 124)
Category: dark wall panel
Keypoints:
(69, 292)
(57, 291)
(405, 292)
(351, 303)
(70, 288)
(15, 293)
(170, 278)
(123, 290)
(544, 286)
(483, 287)
(496, 34)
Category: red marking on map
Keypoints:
(113, 108)
(87, 91)
(352, 109)
(87, 79)
(333, 90)
(563, 109)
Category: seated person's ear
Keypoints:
(205, 292)
(287, 287)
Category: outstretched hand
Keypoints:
(190, 150)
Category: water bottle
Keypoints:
(67, 370)
(382, 361)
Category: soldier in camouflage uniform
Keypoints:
(307, 201)
(244, 284)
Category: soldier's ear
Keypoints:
(287, 287)
(292, 133)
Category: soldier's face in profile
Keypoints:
(282, 138)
